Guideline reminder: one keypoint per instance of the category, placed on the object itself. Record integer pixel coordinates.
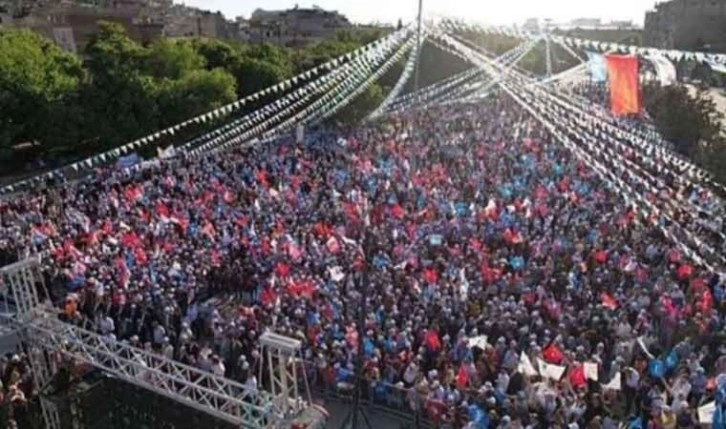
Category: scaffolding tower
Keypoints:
(45, 337)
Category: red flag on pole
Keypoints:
(623, 80)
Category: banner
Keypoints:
(128, 161)
(664, 69)
(624, 86)
(597, 67)
(721, 68)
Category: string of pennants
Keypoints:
(349, 73)
(655, 148)
(684, 167)
(603, 145)
(302, 96)
(633, 198)
(507, 65)
(206, 117)
(293, 101)
(672, 54)
(370, 80)
(408, 100)
(614, 156)
(408, 69)
(323, 106)
(335, 100)
(456, 94)
(444, 88)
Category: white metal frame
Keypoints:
(282, 355)
(220, 397)
(18, 281)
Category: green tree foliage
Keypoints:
(684, 119)
(691, 121)
(196, 92)
(122, 90)
(34, 75)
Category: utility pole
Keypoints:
(548, 54)
(418, 44)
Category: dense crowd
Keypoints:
(507, 285)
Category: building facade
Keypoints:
(183, 21)
(71, 24)
(295, 27)
(687, 25)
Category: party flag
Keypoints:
(623, 80)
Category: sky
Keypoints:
(482, 11)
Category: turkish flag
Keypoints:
(552, 354)
(577, 376)
(462, 378)
(432, 340)
(608, 301)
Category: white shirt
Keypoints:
(218, 369)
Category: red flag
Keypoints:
(209, 231)
(282, 269)
(601, 256)
(684, 272)
(397, 211)
(462, 378)
(608, 301)
(552, 354)
(577, 376)
(268, 296)
(133, 193)
(706, 302)
(623, 80)
(430, 275)
(432, 340)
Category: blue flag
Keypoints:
(597, 67)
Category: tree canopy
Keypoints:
(123, 90)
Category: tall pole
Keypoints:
(418, 43)
(549, 54)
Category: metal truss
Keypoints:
(218, 396)
(45, 336)
(282, 355)
(20, 282)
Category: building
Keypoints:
(241, 29)
(531, 25)
(687, 25)
(183, 21)
(295, 27)
(71, 24)
(586, 22)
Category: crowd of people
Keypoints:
(506, 284)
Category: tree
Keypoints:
(253, 75)
(197, 92)
(119, 98)
(683, 119)
(35, 75)
(218, 54)
(357, 111)
(172, 59)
